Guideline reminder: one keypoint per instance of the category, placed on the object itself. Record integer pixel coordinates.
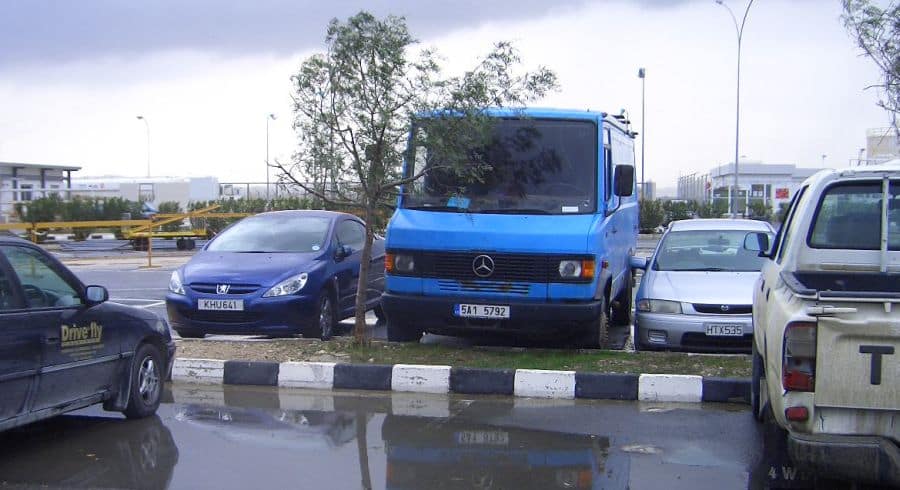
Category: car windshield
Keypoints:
(530, 166)
(273, 233)
(707, 250)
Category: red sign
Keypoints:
(782, 193)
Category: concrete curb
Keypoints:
(415, 379)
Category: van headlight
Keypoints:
(659, 306)
(582, 269)
(289, 286)
(175, 285)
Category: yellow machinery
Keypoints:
(138, 231)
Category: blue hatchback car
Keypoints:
(279, 273)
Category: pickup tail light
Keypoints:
(799, 357)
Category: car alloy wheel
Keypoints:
(148, 379)
(326, 317)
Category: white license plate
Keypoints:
(482, 438)
(221, 304)
(482, 311)
(724, 330)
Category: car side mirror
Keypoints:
(94, 295)
(639, 262)
(757, 242)
(342, 252)
(624, 179)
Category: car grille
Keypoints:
(718, 310)
(232, 288)
(508, 268)
(484, 287)
(220, 316)
(702, 341)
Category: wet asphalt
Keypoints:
(249, 437)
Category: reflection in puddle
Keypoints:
(89, 452)
(450, 454)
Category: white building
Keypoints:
(882, 144)
(772, 184)
(153, 190)
(23, 182)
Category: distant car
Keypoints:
(697, 289)
(279, 273)
(63, 346)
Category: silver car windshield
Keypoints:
(707, 250)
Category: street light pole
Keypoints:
(642, 75)
(270, 117)
(823, 160)
(147, 125)
(737, 124)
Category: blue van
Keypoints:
(538, 245)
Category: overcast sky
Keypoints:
(205, 74)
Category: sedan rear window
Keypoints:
(707, 250)
(273, 233)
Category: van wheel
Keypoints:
(146, 383)
(597, 334)
(379, 314)
(757, 385)
(402, 332)
(621, 311)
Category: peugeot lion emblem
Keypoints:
(483, 266)
(725, 307)
(222, 288)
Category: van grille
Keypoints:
(508, 268)
(484, 287)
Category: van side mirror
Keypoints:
(624, 179)
(757, 242)
(94, 295)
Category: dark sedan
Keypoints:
(279, 273)
(63, 346)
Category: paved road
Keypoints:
(244, 437)
(132, 284)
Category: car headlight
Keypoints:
(576, 269)
(175, 285)
(659, 306)
(289, 286)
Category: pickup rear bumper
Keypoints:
(858, 458)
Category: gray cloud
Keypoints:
(41, 31)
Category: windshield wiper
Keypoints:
(704, 269)
(513, 211)
(436, 208)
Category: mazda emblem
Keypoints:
(483, 266)
(725, 307)
(222, 288)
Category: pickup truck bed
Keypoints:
(844, 284)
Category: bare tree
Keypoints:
(877, 31)
(354, 105)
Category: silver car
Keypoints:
(697, 288)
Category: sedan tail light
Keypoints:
(799, 357)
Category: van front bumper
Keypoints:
(858, 458)
(435, 314)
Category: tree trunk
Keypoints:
(360, 332)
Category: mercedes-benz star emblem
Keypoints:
(483, 266)
(222, 288)
(725, 307)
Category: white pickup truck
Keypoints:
(826, 314)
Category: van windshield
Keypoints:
(529, 166)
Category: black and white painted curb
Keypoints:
(531, 383)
